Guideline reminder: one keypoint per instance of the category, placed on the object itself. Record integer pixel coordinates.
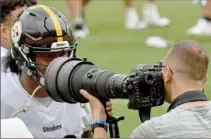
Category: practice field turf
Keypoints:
(110, 46)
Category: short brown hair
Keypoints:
(7, 6)
(191, 58)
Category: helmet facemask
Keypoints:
(26, 56)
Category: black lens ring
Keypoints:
(60, 94)
(71, 74)
(56, 98)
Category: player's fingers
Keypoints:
(86, 95)
(109, 114)
(108, 109)
(108, 104)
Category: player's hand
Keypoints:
(98, 110)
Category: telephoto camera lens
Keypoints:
(64, 78)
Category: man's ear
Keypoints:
(205, 79)
(167, 76)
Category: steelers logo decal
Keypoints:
(16, 32)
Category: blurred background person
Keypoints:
(151, 16)
(9, 11)
(76, 8)
(203, 25)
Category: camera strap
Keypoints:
(190, 96)
(144, 114)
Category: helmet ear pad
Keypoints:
(20, 60)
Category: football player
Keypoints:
(203, 25)
(39, 35)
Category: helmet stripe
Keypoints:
(55, 22)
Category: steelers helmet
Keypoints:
(40, 29)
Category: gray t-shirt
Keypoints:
(181, 122)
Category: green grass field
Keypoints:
(110, 46)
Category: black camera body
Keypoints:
(147, 86)
(64, 77)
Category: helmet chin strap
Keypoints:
(39, 76)
(34, 73)
(41, 81)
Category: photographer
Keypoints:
(185, 70)
(39, 35)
